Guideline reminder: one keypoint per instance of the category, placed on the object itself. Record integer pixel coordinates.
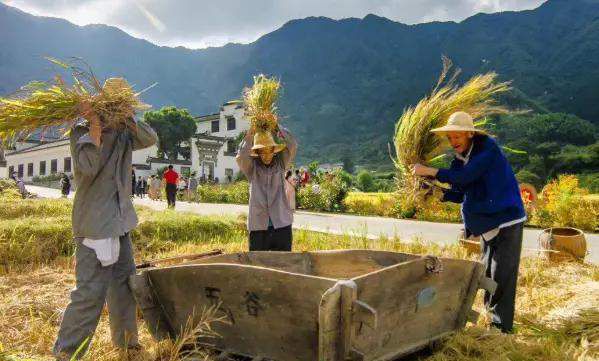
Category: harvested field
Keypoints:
(557, 317)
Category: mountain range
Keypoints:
(345, 81)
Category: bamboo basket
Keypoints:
(566, 243)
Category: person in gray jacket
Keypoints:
(103, 215)
(264, 163)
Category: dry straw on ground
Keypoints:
(40, 105)
(557, 317)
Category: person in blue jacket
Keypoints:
(484, 183)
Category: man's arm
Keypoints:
(474, 169)
(144, 136)
(243, 158)
(288, 154)
(86, 155)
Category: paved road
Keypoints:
(373, 227)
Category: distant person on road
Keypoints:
(483, 181)
(264, 163)
(171, 179)
(192, 187)
(133, 182)
(65, 185)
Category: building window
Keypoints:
(11, 170)
(230, 123)
(67, 164)
(215, 126)
(20, 172)
(231, 147)
(53, 166)
(43, 167)
(30, 169)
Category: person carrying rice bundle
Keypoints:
(483, 181)
(264, 162)
(103, 217)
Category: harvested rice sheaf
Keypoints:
(413, 140)
(40, 105)
(260, 101)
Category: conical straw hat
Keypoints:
(114, 85)
(458, 122)
(265, 140)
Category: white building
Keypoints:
(213, 151)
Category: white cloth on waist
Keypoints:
(107, 249)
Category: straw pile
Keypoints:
(40, 105)
(413, 140)
(260, 101)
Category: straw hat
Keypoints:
(114, 85)
(265, 140)
(458, 122)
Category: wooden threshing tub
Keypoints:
(327, 305)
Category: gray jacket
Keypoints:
(102, 207)
(267, 192)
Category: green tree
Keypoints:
(348, 164)
(174, 127)
(365, 181)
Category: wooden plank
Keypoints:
(413, 305)
(349, 292)
(151, 310)
(473, 287)
(329, 325)
(284, 261)
(269, 313)
(346, 264)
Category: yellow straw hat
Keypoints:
(458, 122)
(265, 140)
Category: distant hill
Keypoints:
(346, 81)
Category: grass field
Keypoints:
(557, 317)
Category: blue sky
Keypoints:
(202, 23)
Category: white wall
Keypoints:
(47, 152)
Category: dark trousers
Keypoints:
(171, 194)
(501, 256)
(271, 239)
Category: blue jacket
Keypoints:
(486, 187)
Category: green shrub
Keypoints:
(328, 195)
(590, 181)
(365, 181)
(238, 192)
(563, 203)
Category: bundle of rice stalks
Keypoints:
(40, 105)
(413, 140)
(260, 104)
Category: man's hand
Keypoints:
(424, 171)
(95, 125)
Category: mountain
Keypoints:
(345, 81)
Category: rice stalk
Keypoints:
(260, 101)
(413, 140)
(41, 105)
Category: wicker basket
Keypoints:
(566, 243)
